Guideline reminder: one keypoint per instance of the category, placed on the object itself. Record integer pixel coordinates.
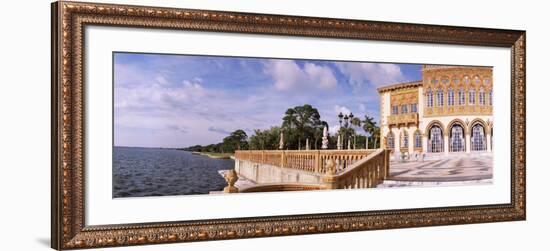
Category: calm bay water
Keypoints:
(141, 172)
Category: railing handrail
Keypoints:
(307, 160)
(307, 151)
(360, 163)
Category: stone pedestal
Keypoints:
(231, 177)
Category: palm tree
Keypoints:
(376, 135)
(369, 125)
(355, 122)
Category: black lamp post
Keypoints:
(346, 118)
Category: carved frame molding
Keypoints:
(68, 228)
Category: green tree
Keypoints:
(237, 140)
(369, 125)
(265, 139)
(355, 122)
(299, 123)
(376, 136)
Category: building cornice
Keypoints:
(399, 86)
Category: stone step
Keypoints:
(401, 183)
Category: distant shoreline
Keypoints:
(211, 155)
(149, 147)
(214, 155)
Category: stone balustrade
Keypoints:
(310, 160)
(365, 173)
(321, 169)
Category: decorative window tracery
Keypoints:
(435, 141)
(481, 96)
(404, 139)
(472, 97)
(478, 138)
(457, 139)
(394, 109)
(430, 98)
(417, 139)
(391, 140)
(450, 97)
(461, 97)
(439, 97)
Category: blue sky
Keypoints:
(180, 100)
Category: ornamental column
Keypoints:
(397, 140)
(411, 141)
(468, 142)
(489, 143)
(446, 144)
(425, 142)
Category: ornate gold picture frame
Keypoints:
(69, 230)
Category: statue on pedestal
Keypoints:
(281, 142)
(325, 138)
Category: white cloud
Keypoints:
(161, 79)
(341, 109)
(333, 130)
(159, 96)
(131, 75)
(361, 74)
(289, 76)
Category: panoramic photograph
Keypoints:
(199, 125)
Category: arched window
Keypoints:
(491, 97)
(430, 98)
(445, 80)
(439, 97)
(457, 143)
(391, 140)
(404, 139)
(481, 96)
(435, 141)
(417, 139)
(472, 97)
(434, 81)
(450, 97)
(478, 138)
(461, 98)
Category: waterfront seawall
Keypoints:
(264, 173)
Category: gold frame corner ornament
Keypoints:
(68, 226)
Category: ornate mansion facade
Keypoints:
(448, 111)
